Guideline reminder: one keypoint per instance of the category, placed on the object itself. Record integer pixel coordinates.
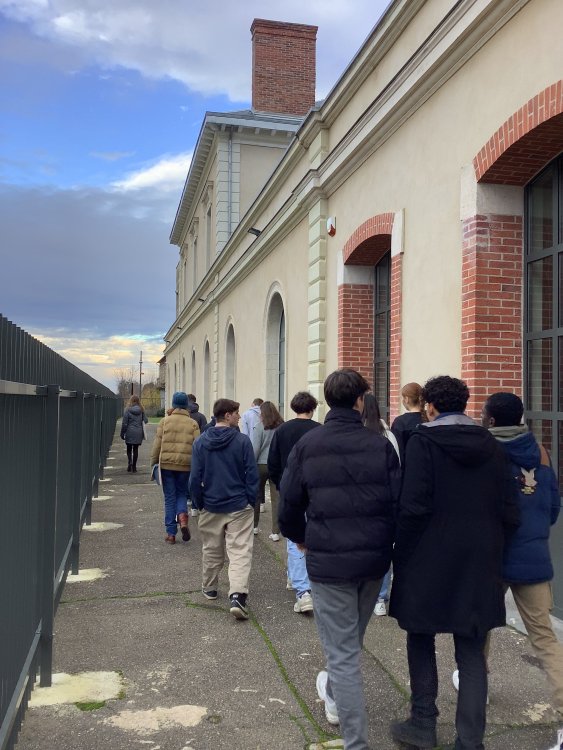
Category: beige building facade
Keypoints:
(409, 225)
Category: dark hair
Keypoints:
(446, 393)
(413, 393)
(505, 408)
(258, 402)
(271, 418)
(303, 403)
(192, 398)
(343, 387)
(223, 406)
(371, 416)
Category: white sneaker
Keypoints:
(559, 740)
(255, 530)
(274, 537)
(455, 680)
(194, 512)
(380, 608)
(331, 712)
(304, 603)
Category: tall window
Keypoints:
(183, 373)
(381, 330)
(544, 310)
(281, 359)
(230, 363)
(194, 383)
(206, 378)
(208, 238)
(194, 266)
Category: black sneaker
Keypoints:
(238, 606)
(186, 536)
(212, 594)
(410, 734)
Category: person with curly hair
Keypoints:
(457, 507)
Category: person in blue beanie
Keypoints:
(223, 487)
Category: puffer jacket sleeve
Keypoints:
(294, 499)
(155, 453)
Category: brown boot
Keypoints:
(183, 521)
(170, 538)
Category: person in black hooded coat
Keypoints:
(457, 504)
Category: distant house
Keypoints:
(411, 224)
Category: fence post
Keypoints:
(49, 515)
(77, 484)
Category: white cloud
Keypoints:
(111, 155)
(167, 175)
(206, 46)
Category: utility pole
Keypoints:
(141, 374)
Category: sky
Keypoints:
(101, 103)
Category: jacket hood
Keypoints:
(524, 451)
(467, 444)
(193, 407)
(135, 409)
(218, 438)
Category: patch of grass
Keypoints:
(155, 420)
(121, 695)
(214, 719)
(91, 706)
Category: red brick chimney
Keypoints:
(283, 67)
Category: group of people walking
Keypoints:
(462, 511)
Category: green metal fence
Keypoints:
(56, 427)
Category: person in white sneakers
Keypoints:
(285, 437)
(261, 437)
(337, 502)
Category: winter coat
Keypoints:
(346, 479)
(173, 444)
(261, 442)
(224, 476)
(132, 425)
(250, 418)
(196, 415)
(403, 427)
(285, 437)
(456, 505)
(526, 556)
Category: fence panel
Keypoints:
(56, 428)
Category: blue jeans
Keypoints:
(297, 569)
(384, 593)
(175, 489)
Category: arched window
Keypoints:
(543, 315)
(194, 383)
(230, 363)
(206, 378)
(276, 353)
(184, 383)
(381, 333)
(175, 387)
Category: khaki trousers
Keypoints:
(534, 602)
(229, 533)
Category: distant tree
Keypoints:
(123, 380)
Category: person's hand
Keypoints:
(301, 547)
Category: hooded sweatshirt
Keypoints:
(224, 476)
(456, 508)
(195, 414)
(526, 556)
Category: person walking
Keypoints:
(527, 568)
(262, 436)
(285, 437)
(132, 430)
(251, 417)
(195, 414)
(337, 502)
(223, 486)
(172, 450)
(371, 417)
(404, 424)
(456, 509)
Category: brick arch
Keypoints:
(365, 247)
(369, 242)
(526, 142)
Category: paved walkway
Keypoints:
(163, 669)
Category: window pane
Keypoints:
(540, 373)
(380, 385)
(540, 295)
(381, 333)
(560, 293)
(541, 212)
(382, 284)
(542, 429)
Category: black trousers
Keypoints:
(472, 699)
(132, 453)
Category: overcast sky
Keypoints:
(101, 102)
